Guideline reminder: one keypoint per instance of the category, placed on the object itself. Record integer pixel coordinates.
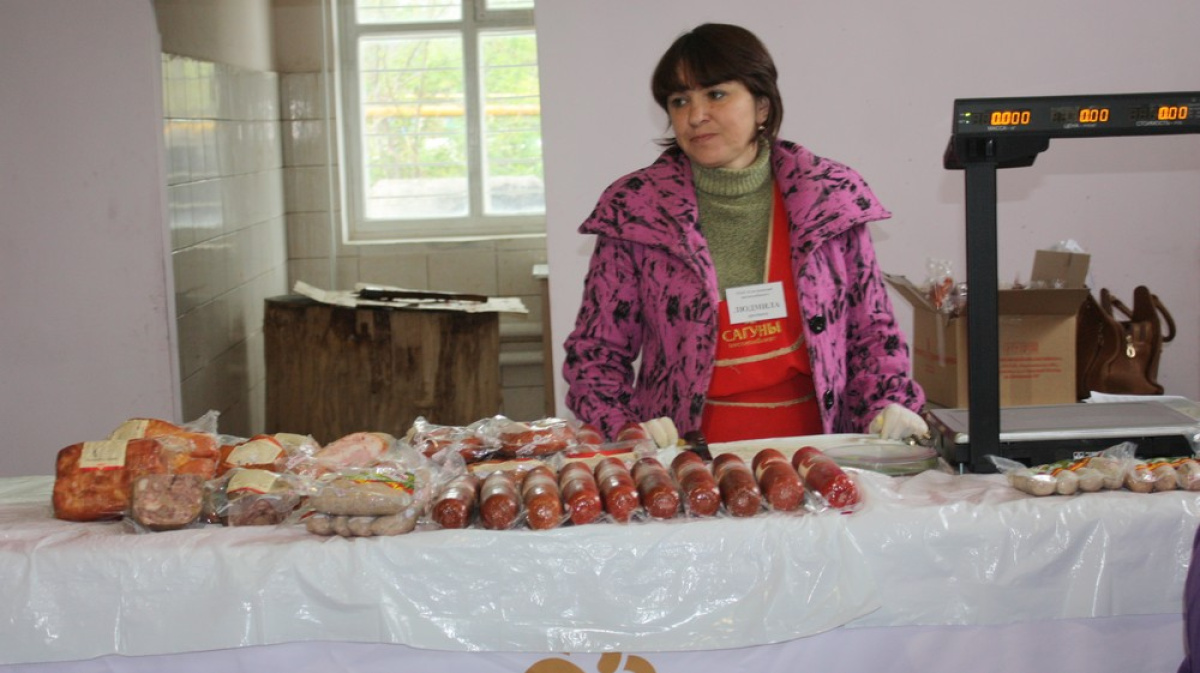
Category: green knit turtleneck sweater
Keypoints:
(735, 218)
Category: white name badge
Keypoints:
(751, 303)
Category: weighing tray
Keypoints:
(1037, 435)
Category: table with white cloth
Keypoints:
(937, 571)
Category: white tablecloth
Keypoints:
(926, 552)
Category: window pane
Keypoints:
(512, 124)
(410, 11)
(413, 127)
(509, 4)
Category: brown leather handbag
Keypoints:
(1118, 349)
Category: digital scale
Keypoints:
(992, 133)
(1037, 435)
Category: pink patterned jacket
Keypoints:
(651, 292)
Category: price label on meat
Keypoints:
(105, 455)
(251, 481)
(134, 428)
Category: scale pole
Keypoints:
(983, 351)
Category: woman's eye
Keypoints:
(716, 94)
(677, 101)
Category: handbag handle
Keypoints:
(1110, 302)
(1158, 305)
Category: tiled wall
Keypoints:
(225, 210)
(252, 204)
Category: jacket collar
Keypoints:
(657, 205)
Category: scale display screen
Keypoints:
(1065, 116)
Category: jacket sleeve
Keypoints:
(601, 350)
(877, 357)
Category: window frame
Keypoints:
(476, 20)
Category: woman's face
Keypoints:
(717, 126)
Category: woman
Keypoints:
(739, 269)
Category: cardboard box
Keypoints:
(1036, 337)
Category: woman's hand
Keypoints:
(662, 430)
(898, 422)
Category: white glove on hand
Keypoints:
(662, 430)
(899, 422)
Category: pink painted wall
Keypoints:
(86, 333)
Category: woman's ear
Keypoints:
(762, 110)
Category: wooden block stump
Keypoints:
(333, 370)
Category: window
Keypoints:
(442, 119)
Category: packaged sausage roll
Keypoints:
(617, 489)
(702, 496)
(778, 480)
(454, 505)
(92, 480)
(192, 448)
(260, 452)
(468, 440)
(1187, 471)
(580, 493)
(539, 438)
(253, 497)
(739, 491)
(384, 499)
(823, 476)
(656, 488)
(355, 450)
(1151, 476)
(499, 500)
(541, 498)
(1106, 470)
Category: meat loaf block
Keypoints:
(167, 501)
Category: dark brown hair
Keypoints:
(713, 53)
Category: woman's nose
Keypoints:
(697, 112)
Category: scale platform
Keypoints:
(1037, 435)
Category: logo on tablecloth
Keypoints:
(610, 662)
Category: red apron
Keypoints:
(762, 380)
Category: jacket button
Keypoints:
(828, 399)
(816, 324)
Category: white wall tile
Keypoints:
(408, 271)
(193, 282)
(302, 96)
(515, 271)
(309, 189)
(309, 235)
(191, 343)
(307, 143)
(208, 218)
(463, 272)
(316, 272)
(179, 216)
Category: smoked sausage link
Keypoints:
(658, 491)
(739, 491)
(617, 489)
(821, 474)
(589, 435)
(701, 494)
(580, 492)
(455, 504)
(543, 504)
(633, 432)
(499, 503)
(778, 480)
